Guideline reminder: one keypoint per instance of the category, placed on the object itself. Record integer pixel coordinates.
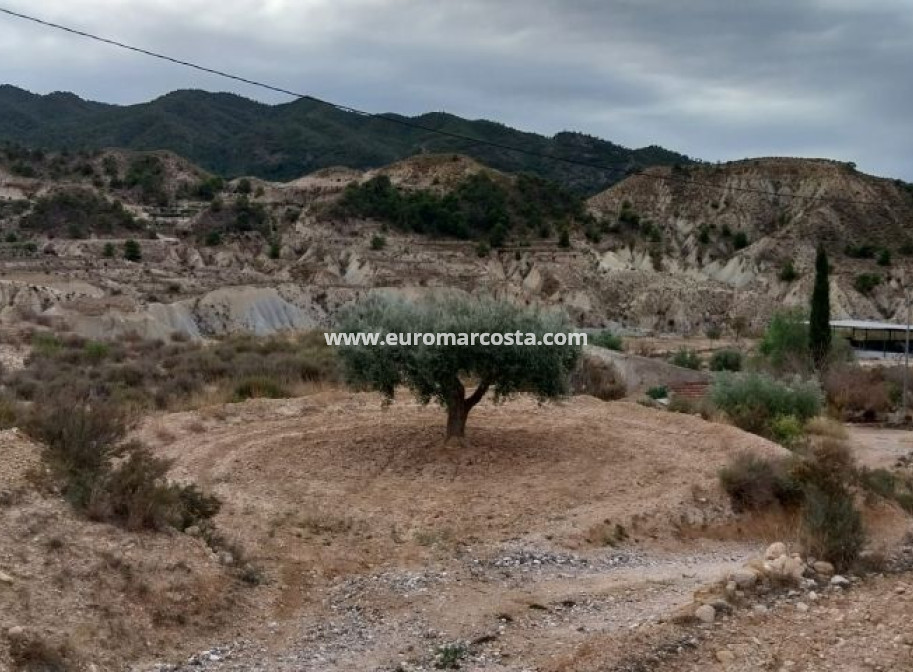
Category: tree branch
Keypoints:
(476, 396)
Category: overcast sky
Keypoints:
(715, 79)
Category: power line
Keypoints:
(607, 166)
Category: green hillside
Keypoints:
(231, 135)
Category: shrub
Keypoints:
(260, 387)
(598, 378)
(832, 526)
(378, 242)
(754, 483)
(865, 283)
(78, 213)
(786, 430)
(108, 251)
(884, 258)
(740, 240)
(753, 401)
(788, 272)
(785, 344)
(726, 360)
(855, 393)
(9, 412)
(275, 249)
(658, 392)
(564, 238)
(103, 476)
(606, 339)
(686, 358)
(132, 250)
(482, 249)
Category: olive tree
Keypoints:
(440, 369)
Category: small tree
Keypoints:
(819, 323)
(442, 369)
(132, 250)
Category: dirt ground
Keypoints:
(559, 538)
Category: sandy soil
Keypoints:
(879, 446)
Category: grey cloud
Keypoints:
(713, 78)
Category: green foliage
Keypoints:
(437, 372)
(787, 430)
(564, 238)
(753, 401)
(606, 339)
(378, 242)
(244, 186)
(865, 283)
(819, 323)
(275, 248)
(658, 392)
(480, 207)
(212, 239)
(686, 358)
(864, 251)
(726, 360)
(78, 213)
(208, 188)
(788, 272)
(884, 257)
(147, 173)
(703, 236)
(232, 136)
(449, 656)
(482, 249)
(832, 526)
(108, 251)
(132, 250)
(785, 344)
(740, 240)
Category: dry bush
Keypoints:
(597, 378)
(146, 374)
(820, 483)
(32, 653)
(858, 394)
(754, 483)
(102, 475)
(826, 427)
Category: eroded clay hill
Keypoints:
(669, 250)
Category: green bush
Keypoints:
(686, 358)
(754, 483)
(726, 360)
(865, 283)
(740, 240)
(788, 272)
(606, 339)
(884, 258)
(832, 526)
(787, 430)
(785, 344)
(753, 401)
(658, 392)
(378, 242)
(132, 251)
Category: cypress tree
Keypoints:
(819, 325)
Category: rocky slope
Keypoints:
(672, 250)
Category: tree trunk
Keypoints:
(458, 408)
(457, 411)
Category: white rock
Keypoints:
(775, 550)
(801, 606)
(745, 577)
(725, 656)
(838, 580)
(705, 613)
(15, 632)
(823, 568)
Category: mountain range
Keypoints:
(231, 135)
